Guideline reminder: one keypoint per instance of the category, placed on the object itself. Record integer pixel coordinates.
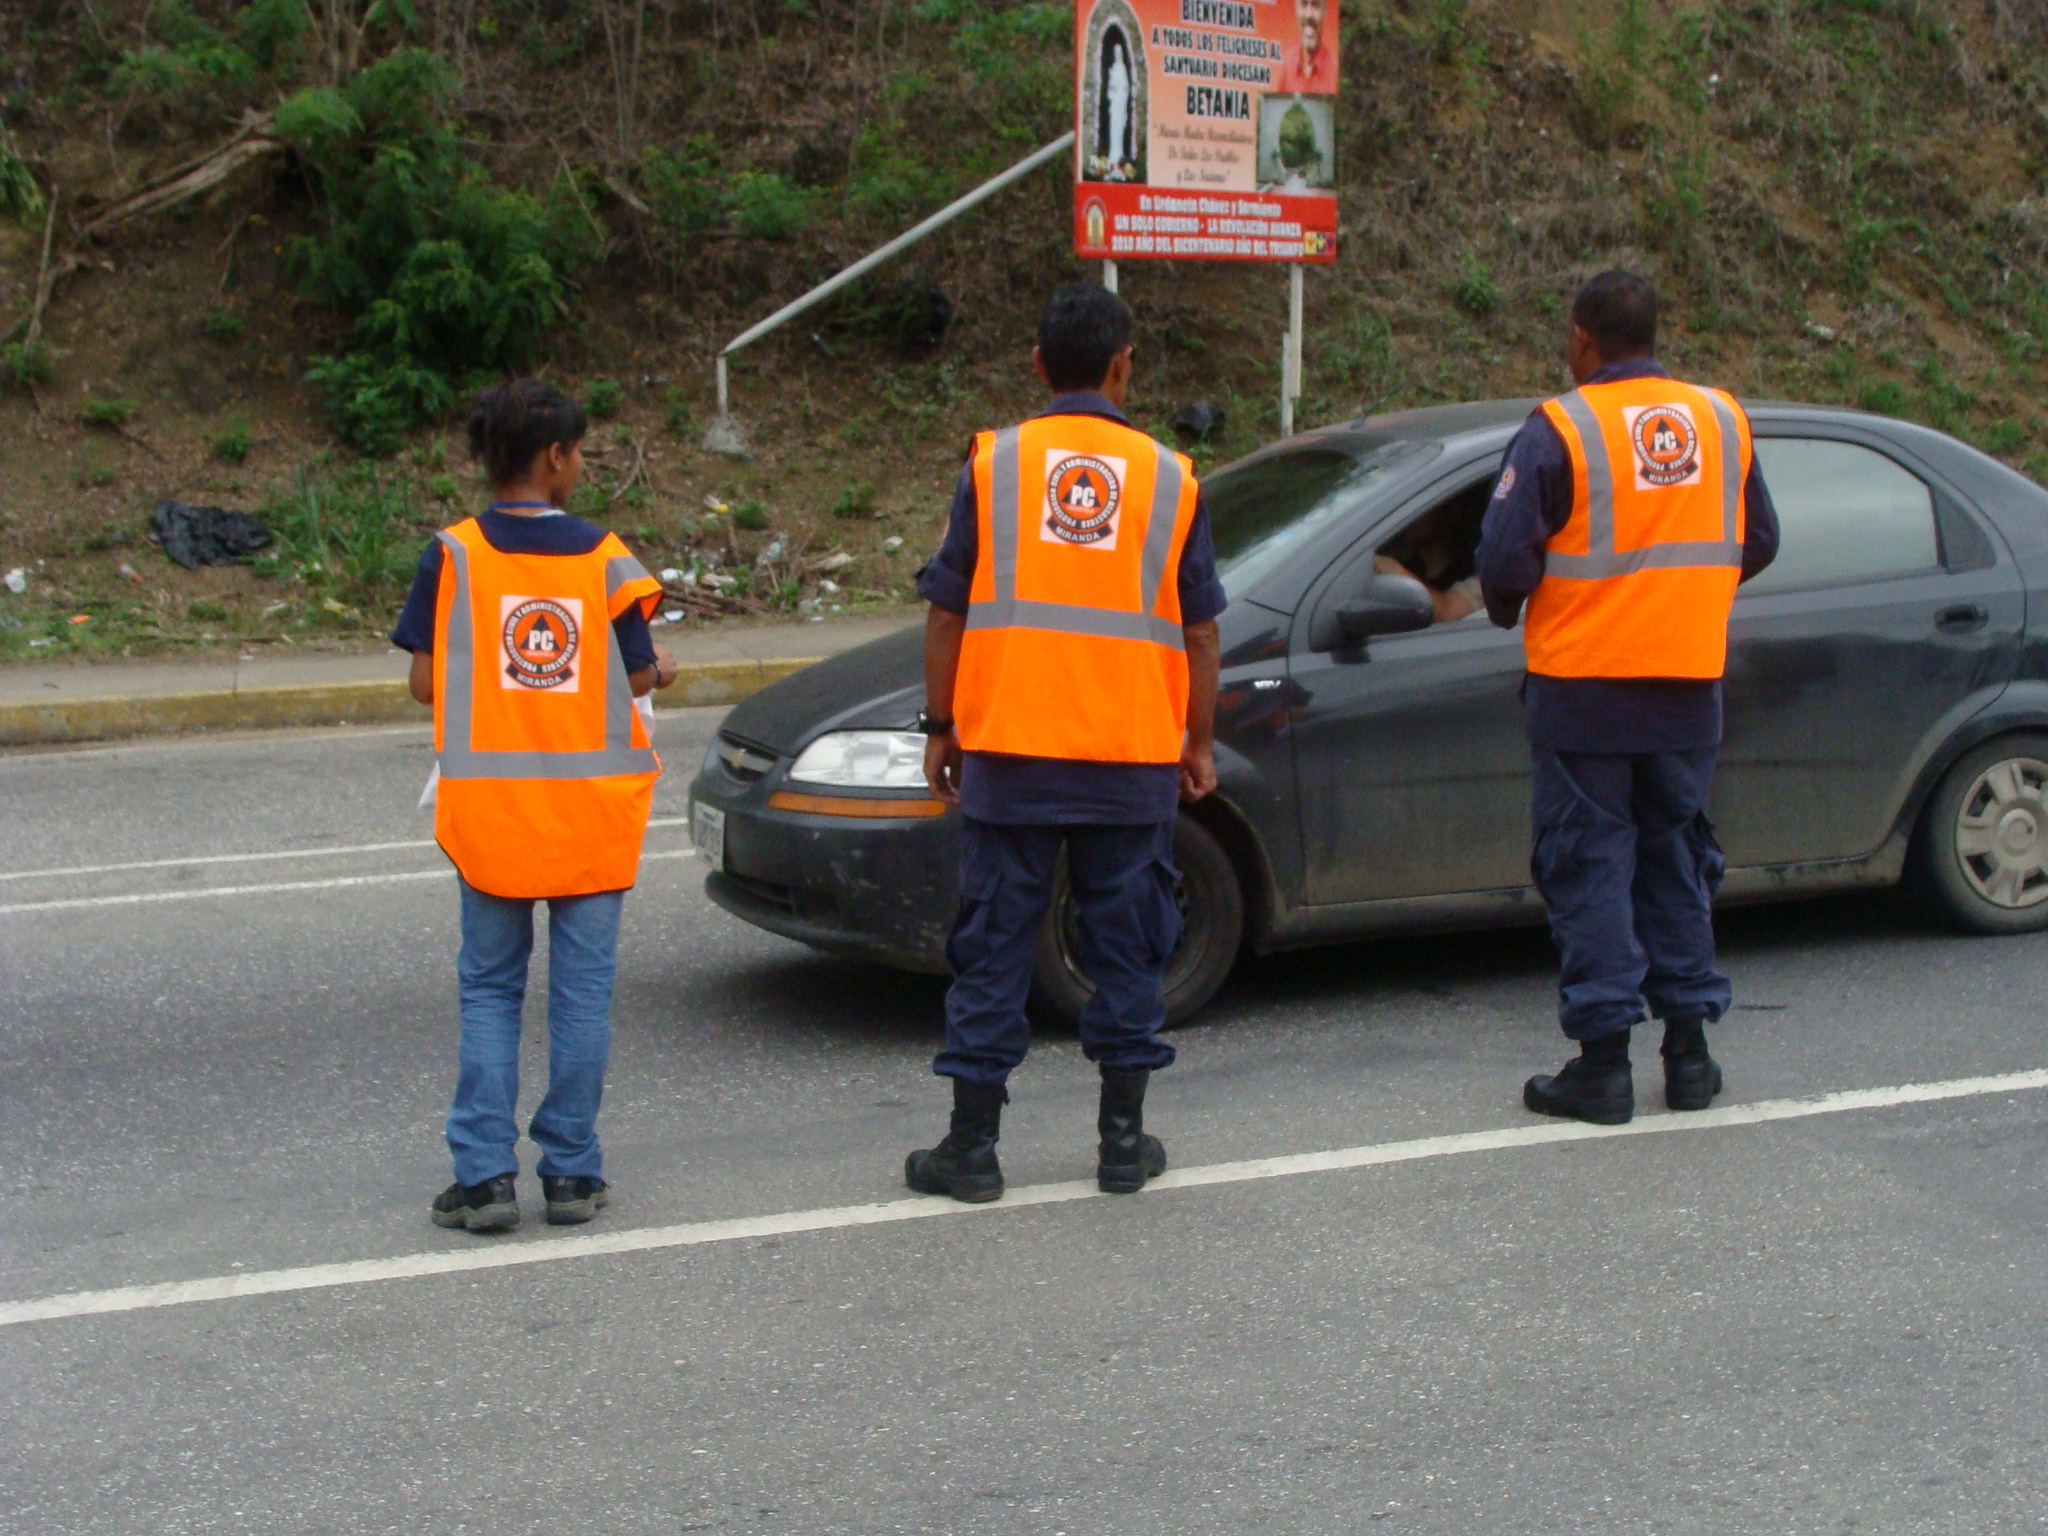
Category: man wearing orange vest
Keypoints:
(1070, 696)
(528, 629)
(1626, 515)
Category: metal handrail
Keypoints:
(875, 258)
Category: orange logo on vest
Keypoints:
(541, 636)
(1083, 495)
(1667, 444)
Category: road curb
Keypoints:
(372, 703)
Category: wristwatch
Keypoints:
(927, 726)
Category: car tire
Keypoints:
(1983, 847)
(1212, 932)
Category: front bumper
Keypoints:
(882, 889)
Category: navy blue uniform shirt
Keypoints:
(509, 533)
(1051, 791)
(1594, 714)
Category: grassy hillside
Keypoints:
(1843, 200)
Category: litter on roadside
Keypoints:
(196, 536)
(129, 573)
(893, 543)
(17, 581)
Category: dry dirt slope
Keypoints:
(1842, 201)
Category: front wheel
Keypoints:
(1212, 930)
(1983, 854)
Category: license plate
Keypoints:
(707, 832)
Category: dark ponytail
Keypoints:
(518, 420)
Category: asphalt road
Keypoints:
(1825, 1323)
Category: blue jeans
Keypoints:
(1122, 878)
(583, 953)
(1627, 864)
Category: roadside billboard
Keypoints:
(1205, 130)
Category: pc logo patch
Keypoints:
(1084, 497)
(541, 636)
(1666, 444)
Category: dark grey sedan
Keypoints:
(1887, 713)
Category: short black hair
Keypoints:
(1081, 330)
(519, 419)
(1619, 311)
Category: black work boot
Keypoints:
(1128, 1157)
(1596, 1085)
(492, 1206)
(964, 1164)
(1691, 1076)
(573, 1198)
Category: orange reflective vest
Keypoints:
(547, 772)
(1639, 580)
(1073, 646)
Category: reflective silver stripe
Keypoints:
(1658, 557)
(1072, 619)
(1731, 470)
(621, 569)
(1159, 529)
(459, 760)
(1602, 558)
(1002, 513)
(1599, 473)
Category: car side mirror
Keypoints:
(1389, 605)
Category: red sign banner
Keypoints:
(1205, 130)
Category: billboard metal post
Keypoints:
(1109, 275)
(1290, 353)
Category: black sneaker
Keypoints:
(492, 1206)
(573, 1199)
(1602, 1095)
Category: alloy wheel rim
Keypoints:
(2002, 833)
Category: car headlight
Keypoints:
(863, 760)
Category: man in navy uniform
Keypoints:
(1071, 660)
(1628, 512)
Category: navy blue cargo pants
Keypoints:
(1122, 879)
(1626, 862)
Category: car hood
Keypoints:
(880, 684)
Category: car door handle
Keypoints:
(1961, 619)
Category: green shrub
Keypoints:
(353, 530)
(590, 500)
(93, 471)
(750, 515)
(205, 612)
(1882, 396)
(446, 272)
(2004, 436)
(765, 207)
(111, 412)
(232, 446)
(676, 413)
(603, 397)
(371, 401)
(1475, 291)
(443, 488)
(20, 197)
(856, 500)
(26, 363)
(682, 186)
(222, 324)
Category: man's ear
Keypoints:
(1038, 367)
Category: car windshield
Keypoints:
(1262, 511)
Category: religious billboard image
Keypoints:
(1205, 129)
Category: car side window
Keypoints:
(1846, 513)
(1437, 545)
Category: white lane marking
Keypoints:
(509, 1253)
(135, 898)
(252, 858)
